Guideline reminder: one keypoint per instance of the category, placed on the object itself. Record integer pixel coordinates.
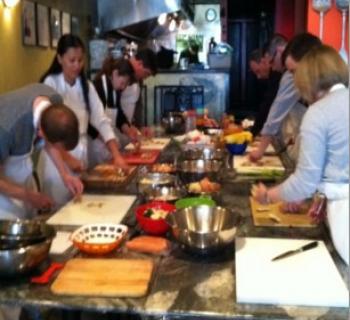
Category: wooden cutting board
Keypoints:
(142, 157)
(271, 215)
(104, 277)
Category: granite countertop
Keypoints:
(194, 70)
(186, 285)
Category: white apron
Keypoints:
(18, 169)
(98, 151)
(338, 215)
(51, 182)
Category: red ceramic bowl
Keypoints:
(151, 226)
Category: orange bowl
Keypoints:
(155, 227)
(99, 239)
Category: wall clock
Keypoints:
(210, 15)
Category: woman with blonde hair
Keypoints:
(323, 163)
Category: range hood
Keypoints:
(118, 14)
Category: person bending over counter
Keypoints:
(287, 101)
(115, 76)
(144, 64)
(66, 76)
(25, 114)
(323, 163)
(268, 81)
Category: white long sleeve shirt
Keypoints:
(74, 99)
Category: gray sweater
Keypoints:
(16, 118)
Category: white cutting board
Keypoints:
(93, 209)
(309, 278)
(242, 164)
(61, 242)
(153, 144)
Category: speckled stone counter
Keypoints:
(185, 285)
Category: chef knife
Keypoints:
(289, 253)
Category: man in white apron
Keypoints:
(23, 114)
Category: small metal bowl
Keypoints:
(195, 170)
(204, 229)
(18, 233)
(205, 154)
(165, 193)
(152, 180)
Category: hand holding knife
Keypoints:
(289, 253)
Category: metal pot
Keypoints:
(204, 229)
(23, 245)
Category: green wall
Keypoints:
(20, 64)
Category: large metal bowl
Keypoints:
(204, 229)
(18, 254)
(195, 170)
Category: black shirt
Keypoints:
(268, 96)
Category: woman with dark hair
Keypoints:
(322, 79)
(110, 82)
(66, 75)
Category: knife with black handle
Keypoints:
(289, 253)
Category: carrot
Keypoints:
(148, 244)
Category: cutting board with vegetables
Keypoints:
(107, 177)
(268, 165)
(142, 157)
(272, 215)
(308, 278)
(151, 144)
(104, 277)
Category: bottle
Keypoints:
(212, 45)
(190, 123)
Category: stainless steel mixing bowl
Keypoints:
(204, 229)
(23, 245)
(195, 170)
(205, 154)
(18, 233)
